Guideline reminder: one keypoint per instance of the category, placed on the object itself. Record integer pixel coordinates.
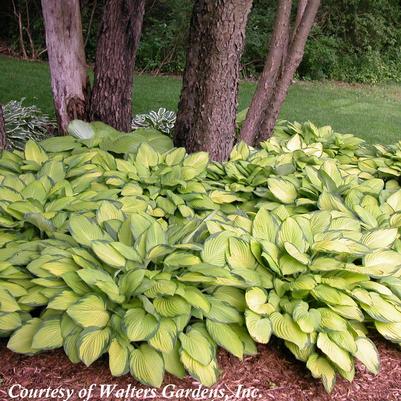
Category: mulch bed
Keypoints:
(274, 372)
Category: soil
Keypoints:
(273, 372)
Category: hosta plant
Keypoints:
(162, 120)
(25, 122)
(121, 244)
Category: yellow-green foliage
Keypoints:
(127, 246)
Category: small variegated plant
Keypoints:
(162, 120)
(25, 122)
(121, 244)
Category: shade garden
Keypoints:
(121, 244)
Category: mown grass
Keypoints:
(372, 112)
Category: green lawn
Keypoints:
(372, 112)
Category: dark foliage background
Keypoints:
(352, 40)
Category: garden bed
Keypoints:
(274, 372)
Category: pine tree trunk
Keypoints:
(267, 80)
(65, 48)
(294, 58)
(208, 104)
(118, 40)
(3, 138)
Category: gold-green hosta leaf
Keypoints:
(48, 335)
(226, 337)
(264, 226)
(255, 299)
(307, 320)
(139, 325)
(239, 254)
(21, 340)
(118, 357)
(206, 374)
(172, 362)
(292, 250)
(108, 211)
(197, 299)
(165, 336)
(147, 366)
(9, 322)
(63, 300)
(84, 231)
(33, 152)
(367, 353)
(340, 245)
(344, 339)
(92, 344)
(291, 232)
(331, 320)
(130, 281)
(390, 331)
(291, 266)
(222, 312)
(258, 327)
(378, 239)
(335, 353)
(70, 346)
(332, 296)
(348, 312)
(382, 263)
(171, 306)
(321, 368)
(301, 354)
(282, 190)
(107, 254)
(382, 310)
(214, 249)
(395, 201)
(89, 311)
(197, 346)
(8, 302)
(286, 328)
(146, 156)
(231, 296)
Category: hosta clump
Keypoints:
(121, 244)
(25, 122)
(163, 120)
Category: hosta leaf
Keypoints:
(92, 344)
(282, 189)
(367, 353)
(335, 353)
(264, 226)
(171, 306)
(344, 339)
(106, 253)
(139, 325)
(258, 327)
(147, 366)
(89, 311)
(21, 340)
(321, 368)
(48, 336)
(255, 299)
(239, 254)
(214, 250)
(380, 238)
(284, 327)
(165, 336)
(222, 312)
(172, 362)
(197, 346)
(84, 231)
(207, 375)
(225, 336)
(197, 299)
(64, 300)
(9, 322)
(118, 357)
(390, 331)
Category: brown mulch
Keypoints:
(273, 372)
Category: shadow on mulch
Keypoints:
(273, 372)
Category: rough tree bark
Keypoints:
(267, 80)
(285, 54)
(3, 138)
(68, 69)
(111, 100)
(208, 104)
(293, 59)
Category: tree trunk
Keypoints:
(267, 80)
(294, 57)
(208, 104)
(65, 48)
(111, 100)
(3, 138)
